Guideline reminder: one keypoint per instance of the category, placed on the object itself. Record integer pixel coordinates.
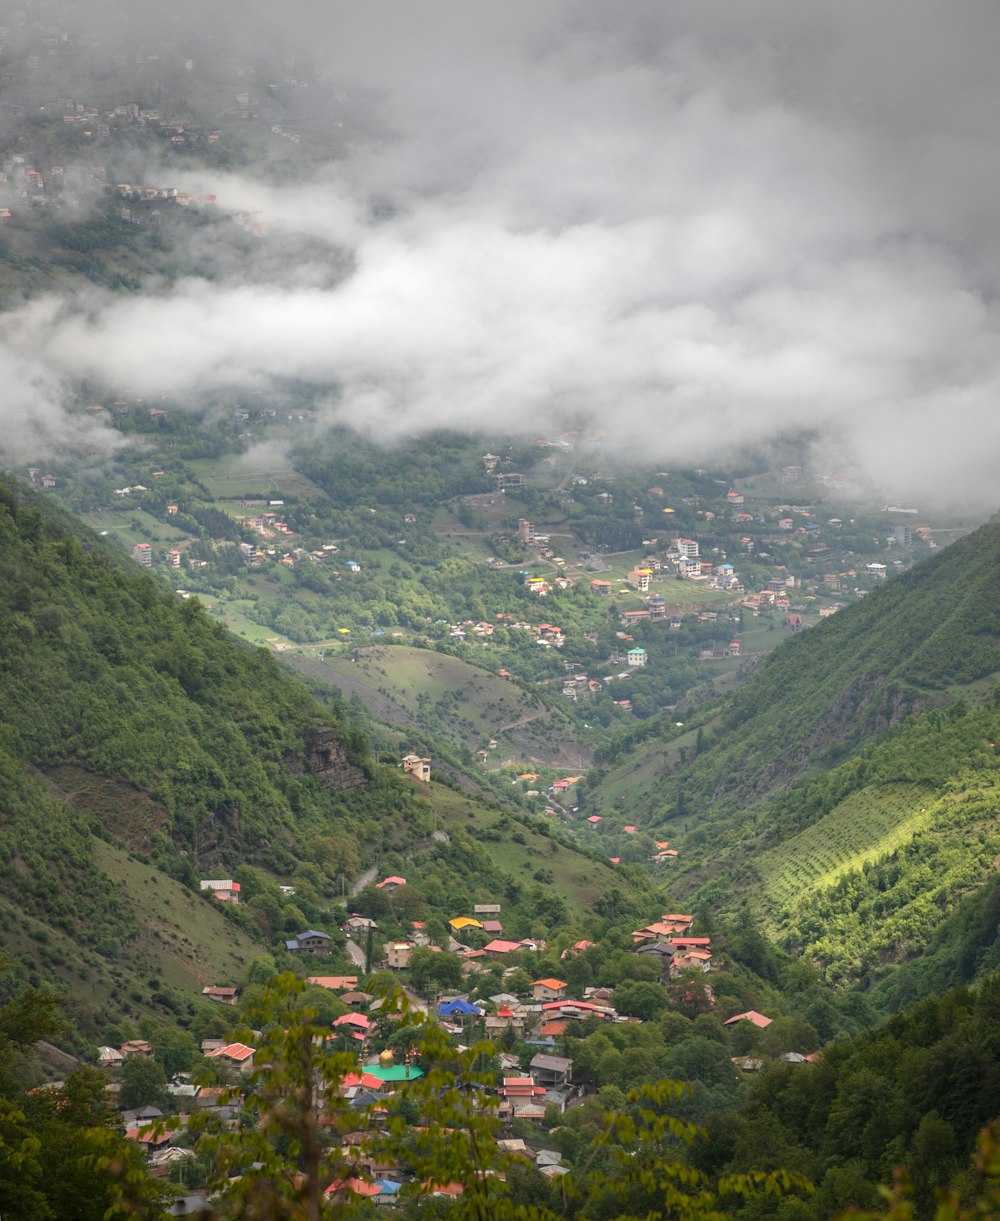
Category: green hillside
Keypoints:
(143, 748)
(846, 789)
(439, 694)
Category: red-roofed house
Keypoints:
(500, 949)
(569, 1008)
(225, 890)
(357, 1023)
(521, 1087)
(576, 948)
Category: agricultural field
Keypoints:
(227, 478)
(136, 526)
(869, 824)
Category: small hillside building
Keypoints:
(309, 942)
(417, 767)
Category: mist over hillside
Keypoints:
(688, 230)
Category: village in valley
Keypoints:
(481, 990)
(501, 633)
(570, 599)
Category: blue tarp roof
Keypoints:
(458, 1006)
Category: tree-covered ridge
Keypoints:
(825, 693)
(855, 826)
(915, 1092)
(103, 669)
(858, 868)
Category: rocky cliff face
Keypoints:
(326, 757)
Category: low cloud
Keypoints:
(693, 232)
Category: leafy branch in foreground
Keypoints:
(901, 1205)
(309, 1138)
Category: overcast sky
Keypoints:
(690, 226)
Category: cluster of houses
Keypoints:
(667, 942)
(533, 1086)
(548, 635)
(521, 1093)
(24, 183)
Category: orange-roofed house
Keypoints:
(695, 958)
(548, 989)
(452, 1190)
(392, 883)
(237, 1054)
(668, 928)
(150, 1138)
(335, 983)
(751, 1015)
(553, 1028)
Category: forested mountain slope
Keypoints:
(849, 788)
(143, 748)
(918, 641)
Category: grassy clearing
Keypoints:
(869, 824)
(184, 939)
(226, 479)
(621, 791)
(478, 703)
(578, 879)
(248, 629)
(121, 528)
(182, 943)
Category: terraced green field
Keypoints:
(869, 824)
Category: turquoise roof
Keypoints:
(394, 1072)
